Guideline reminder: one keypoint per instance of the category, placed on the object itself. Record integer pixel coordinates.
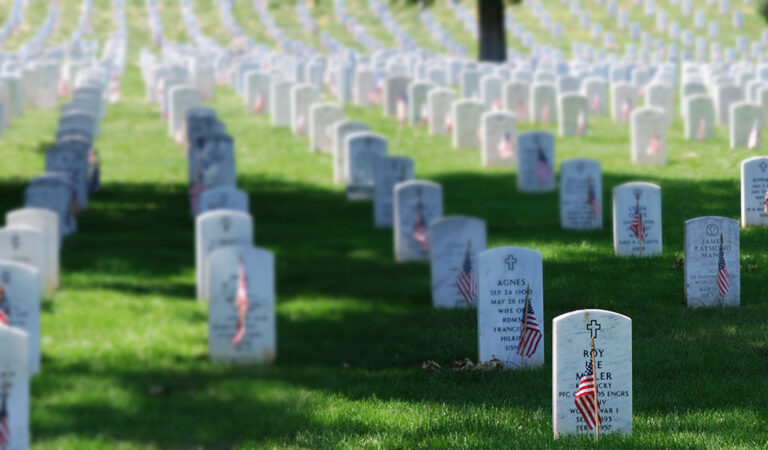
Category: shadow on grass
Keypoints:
(343, 302)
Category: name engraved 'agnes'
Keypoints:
(511, 282)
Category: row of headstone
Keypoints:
(591, 348)
(30, 241)
(234, 275)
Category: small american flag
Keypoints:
(765, 201)
(420, 232)
(654, 145)
(258, 103)
(520, 111)
(241, 303)
(596, 103)
(594, 202)
(402, 109)
(505, 148)
(5, 430)
(467, 281)
(543, 170)
(723, 280)
(194, 195)
(754, 134)
(424, 114)
(530, 333)
(581, 123)
(701, 134)
(637, 227)
(626, 109)
(545, 113)
(374, 96)
(180, 134)
(4, 314)
(585, 398)
(496, 105)
(301, 123)
(448, 123)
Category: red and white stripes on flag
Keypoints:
(496, 105)
(448, 123)
(301, 123)
(654, 145)
(505, 148)
(754, 134)
(258, 103)
(194, 195)
(241, 303)
(581, 123)
(596, 103)
(637, 227)
(585, 398)
(5, 429)
(4, 319)
(424, 114)
(466, 282)
(543, 170)
(626, 109)
(402, 109)
(530, 333)
(701, 134)
(420, 232)
(545, 114)
(765, 201)
(723, 279)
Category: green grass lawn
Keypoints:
(125, 360)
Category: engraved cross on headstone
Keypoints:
(594, 327)
(511, 261)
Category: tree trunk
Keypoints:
(493, 37)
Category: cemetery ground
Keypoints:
(125, 343)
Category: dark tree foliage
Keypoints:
(762, 9)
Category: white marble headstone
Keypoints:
(362, 151)
(746, 124)
(649, 136)
(416, 204)
(322, 117)
(536, 161)
(572, 335)
(581, 194)
(388, 172)
(466, 117)
(754, 191)
(46, 222)
(258, 341)
(439, 111)
(302, 97)
(517, 99)
(707, 281)
(573, 115)
(339, 132)
(509, 276)
(20, 304)
(216, 229)
(26, 245)
(637, 219)
(499, 143)
(14, 385)
(455, 242)
(543, 105)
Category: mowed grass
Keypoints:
(125, 360)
